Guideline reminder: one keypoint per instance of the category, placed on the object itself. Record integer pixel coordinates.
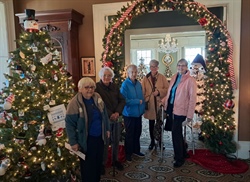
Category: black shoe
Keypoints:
(103, 170)
(186, 156)
(178, 164)
(128, 159)
(163, 147)
(151, 146)
(119, 166)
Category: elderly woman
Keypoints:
(87, 126)
(115, 103)
(180, 105)
(155, 87)
(131, 90)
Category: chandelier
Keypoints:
(168, 45)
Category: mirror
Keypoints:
(190, 39)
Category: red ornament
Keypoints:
(108, 64)
(202, 21)
(220, 143)
(173, 8)
(229, 104)
(228, 74)
(59, 132)
(211, 85)
(156, 9)
(120, 44)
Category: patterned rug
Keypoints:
(159, 167)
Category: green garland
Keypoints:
(218, 123)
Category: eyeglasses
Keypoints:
(182, 65)
(89, 87)
(153, 66)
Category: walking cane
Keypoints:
(162, 119)
(113, 147)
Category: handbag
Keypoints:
(168, 123)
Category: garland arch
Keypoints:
(218, 123)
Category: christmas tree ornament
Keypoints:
(48, 132)
(59, 153)
(45, 60)
(27, 174)
(59, 132)
(8, 102)
(21, 54)
(43, 82)
(25, 126)
(32, 67)
(55, 63)
(229, 104)
(30, 23)
(20, 138)
(108, 64)
(2, 146)
(55, 77)
(33, 147)
(4, 166)
(20, 113)
(43, 167)
(52, 102)
(21, 161)
(41, 140)
(2, 119)
(46, 107)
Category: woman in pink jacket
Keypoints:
(180, 106)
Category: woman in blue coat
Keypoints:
(131, 90)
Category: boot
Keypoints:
(152, 145)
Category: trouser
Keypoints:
(151, 130)
(91, 166)
(115, 129)
(133, 127)
(178, 140)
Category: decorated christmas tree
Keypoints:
(168, 72)
(142, 70)
(34, 98)
(218, 122)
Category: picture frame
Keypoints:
(88, 66)
(167, 59)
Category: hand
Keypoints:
(108, 134)
(114, 116)
(140, 101)
(156, 93)
(75, 147)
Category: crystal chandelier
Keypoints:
(167, 45)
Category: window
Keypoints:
(191, 52)
(144, 54)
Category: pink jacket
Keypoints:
(185, 96)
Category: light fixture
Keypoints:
(168, 45)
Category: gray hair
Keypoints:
(131, 67)
(101, 72)
(183, 61)
(86, 81)
(154, 61)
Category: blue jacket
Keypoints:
(77, 120)
(132, 92)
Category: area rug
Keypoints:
(218, 162)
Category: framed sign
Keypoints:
(88, 66)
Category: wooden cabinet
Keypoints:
(63, 26)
